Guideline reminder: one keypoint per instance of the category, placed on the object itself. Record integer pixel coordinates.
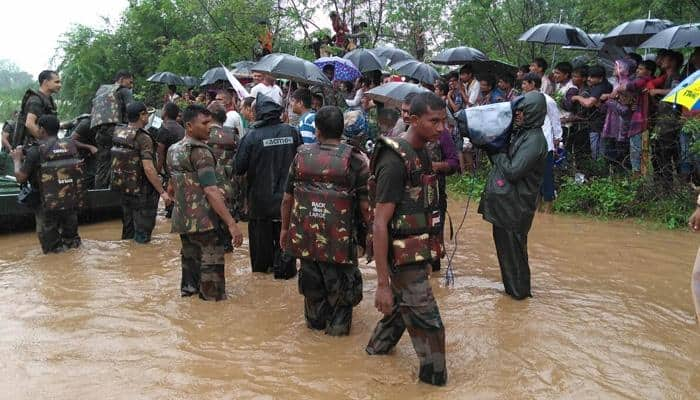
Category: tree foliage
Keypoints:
(190, 36)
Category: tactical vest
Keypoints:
(321, 226)
(61, 173)
(224, 142)
(20, 135)
(415, 226)
(127, 171)
(192, 211)
(105, 106)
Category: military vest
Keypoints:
(192, 211)
(61, 173)
(127, 170)
(20, 135)
(224, 142)
(415, 225)
(105, 106)
(321, 225)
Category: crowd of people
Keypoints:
(325, 173)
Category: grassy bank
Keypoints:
(607, 198)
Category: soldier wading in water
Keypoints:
(406, 239)
(198, 206)
(325, 205)
(53, 167)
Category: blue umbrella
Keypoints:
(345, 70)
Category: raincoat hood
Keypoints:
(266, 110)
(534, 107)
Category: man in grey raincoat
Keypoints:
(510, 196)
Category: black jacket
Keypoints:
(265, 154)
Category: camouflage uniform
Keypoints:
(139, 199)
(328, 183)
(224, 142)
(331, 96)
(108, 110)
(36, 103)
(54, 167)
(192, 167)
(404, 177)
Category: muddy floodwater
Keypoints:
(611, 318)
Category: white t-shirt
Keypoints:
(274, 92)
(473, 92)
(552, 123)
(233, 120)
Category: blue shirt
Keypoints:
(307, 127)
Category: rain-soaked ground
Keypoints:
(611, 318)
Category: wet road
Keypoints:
(611, 318)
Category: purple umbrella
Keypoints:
(345, 70)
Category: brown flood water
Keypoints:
(611, 318)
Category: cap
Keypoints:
(355, 123)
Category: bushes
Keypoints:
(613, 197)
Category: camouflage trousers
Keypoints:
(330, 292)
(103, 157)
(415, 309)
(202, 257)
(57, 230)
(139, 216)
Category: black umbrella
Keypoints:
(286, 66)
(214, 75)
(597, 39)
(392, 54)
(190, 81)
(394, 93)
(633, 33)
(677, 37)
(563, 34)
(241, 69)
(415, 69)
(493, 68)
(167, 78)
(459, 55)
(365, 60)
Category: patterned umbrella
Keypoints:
(167, 78)
(345, 70)
(687, 93)
(365, 60)
(394, 93)
(286, 66)
(459, 55)
(633, 33)
(417, 70)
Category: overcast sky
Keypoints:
(30, 29)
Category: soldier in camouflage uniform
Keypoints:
(34, 105)
(223, 141)
(404, 191)
(53, 167)
(134, 175)
(331, 95)
(325, 205)
(199, 208)
(108, 110)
